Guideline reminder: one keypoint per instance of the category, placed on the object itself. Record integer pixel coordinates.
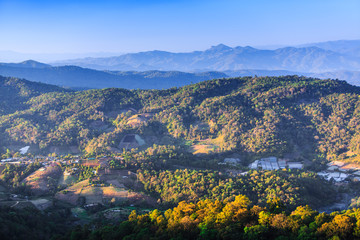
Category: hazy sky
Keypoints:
(45, 26)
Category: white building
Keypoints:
(337, 176)
(7, 160)
(333, 168)
(254, 165)
(272, 163)
(295, 165)
(282, 163)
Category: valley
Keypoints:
(179, 120)
(99, 156)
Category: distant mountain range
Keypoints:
(12, 56)
(224, 58)
(84, 78)
(159, 69)
(348, 47)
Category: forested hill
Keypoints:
(15, 92)
(308, 118)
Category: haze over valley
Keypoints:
(179, 120)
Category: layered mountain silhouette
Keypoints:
(79, 78)
(225, 58)
(84, 78)
(160, 69)
(348, 47)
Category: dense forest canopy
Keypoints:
(206, 219)
(257, 116)
(237, 219)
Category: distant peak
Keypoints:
(34, 64)
(29, 61)
(220, 47)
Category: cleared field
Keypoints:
(202, 149)
(104, 194)
(44, 179)
(205, 146)
(116, 183)
(65, 180)
(116, 213)
(41, 203)
(92, 194)
(116, 192)
(138, 119)
(90, 163)
(72, 194)
(80, 213)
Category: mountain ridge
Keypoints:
(223, 58)
(78, 77)
(349, 47)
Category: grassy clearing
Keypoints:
(115, 192)
(38, 180)
(67, 180)
(203, 147)
(41, 203)
(80, 213)
(92, 194)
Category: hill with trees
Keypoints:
(237, 219)
(258, 116)
(190, 194)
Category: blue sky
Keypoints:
(80, 26)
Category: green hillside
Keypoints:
(261, 116)
(15, 92)
(182, 136)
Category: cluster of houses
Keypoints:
(340, 172)
(274, 163)
(269, 163)
(13, 160)
(45, 161)
(337, 176)
(7, 160)
(336, 171)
